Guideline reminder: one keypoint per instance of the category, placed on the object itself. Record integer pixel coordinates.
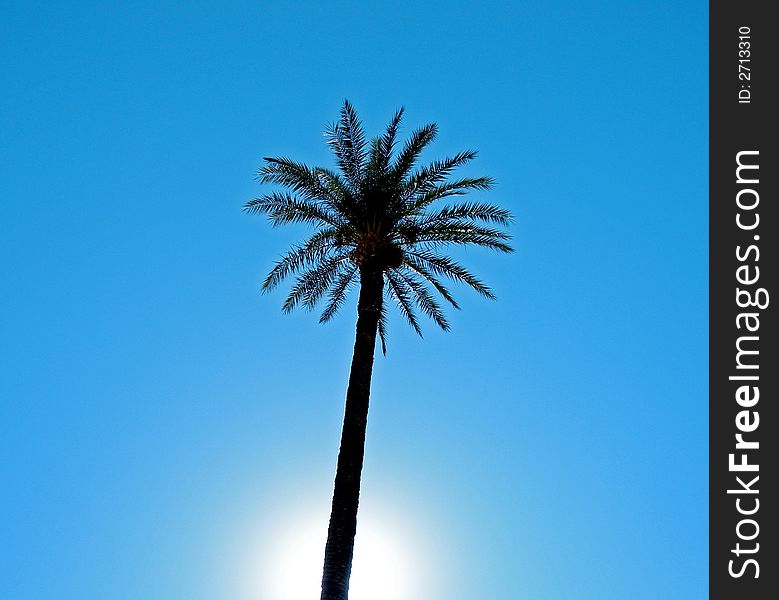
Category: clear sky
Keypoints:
(163, 425)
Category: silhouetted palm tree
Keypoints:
(375, 227)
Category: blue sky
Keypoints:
(157, 411)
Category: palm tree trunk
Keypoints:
(346, 493)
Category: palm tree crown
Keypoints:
(378, 214)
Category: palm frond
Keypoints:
(296, 176)
(487, 213)
(382, 146)
(463, 233)
(426, 178)
(341, 199)
(408, 156)
(425, 197)
(283, 208)
(401, 293)
(301, 256)
(338, 292)
(347, 140)
(446, 267)
(312, 284)
(382, 326)
(416, 265)
(424, 300)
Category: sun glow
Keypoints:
(381, 569)
(386, 563)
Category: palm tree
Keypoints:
(374, 228)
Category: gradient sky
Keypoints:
(157, 411)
